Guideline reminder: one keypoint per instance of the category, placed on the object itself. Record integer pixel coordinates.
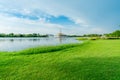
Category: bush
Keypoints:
(82, 38)
(94, 38)
(112, 38)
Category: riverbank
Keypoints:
(17, 44)
(92, 60)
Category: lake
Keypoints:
(16, 44)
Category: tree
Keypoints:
(114, 34)
(11, 35)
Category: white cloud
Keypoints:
(52, 7)
(18, 25)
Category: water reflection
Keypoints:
(14, 44)
(11, 40)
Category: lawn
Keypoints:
(92, 60)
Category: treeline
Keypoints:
(92, 35)
(73, 35)
(85, 35)
(22, 35)
(113, 34)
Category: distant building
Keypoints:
(60, 34)
(103, 37)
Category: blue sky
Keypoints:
(48, 16)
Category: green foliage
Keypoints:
(92, 35)
(114, 34)
(88, 38)
(22, 35)
(93, 60)
(2, 35)
(82, 38)
(73, 35)
(94, 38)
(112, 38)
(46, 49)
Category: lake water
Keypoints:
(16, 44)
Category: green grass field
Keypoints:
(92, 60)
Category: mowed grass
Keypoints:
(92, 60)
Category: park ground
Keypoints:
(91, 60)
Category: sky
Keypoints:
(49, 16)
